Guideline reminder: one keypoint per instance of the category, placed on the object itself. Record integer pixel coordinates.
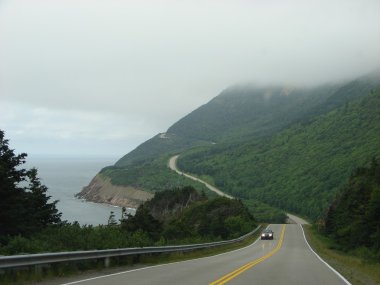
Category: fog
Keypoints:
(98, 77)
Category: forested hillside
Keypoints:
(243, 112)
(353, 219)
(301, 168)
(174, 215)
(288, 147)
(157, 146)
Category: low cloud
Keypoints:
(135, 67)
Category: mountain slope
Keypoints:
(301, 168)
(160, 144)
(243, 119)
(245, 112)
(353, 219)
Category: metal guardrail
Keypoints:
(47, 258)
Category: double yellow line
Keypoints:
(235, 273)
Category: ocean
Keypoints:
(66, 177)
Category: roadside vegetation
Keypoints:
(180, 216)
(355, 266)
(348, 237)
(353, 219)
(29, 223)
(88, 269)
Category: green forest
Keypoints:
(24, 203)
(353, 218)
(178, 216)
(301, 168)
(275, 148)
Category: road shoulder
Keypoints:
(355, 270)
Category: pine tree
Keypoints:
(42, 212)
(24, 206)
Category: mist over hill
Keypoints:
(245, 126)
(301, 168)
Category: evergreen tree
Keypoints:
(24, 205)
(353, 219)
(41, 211)
(143, 221)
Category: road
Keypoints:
(173, 165)
(286, 260)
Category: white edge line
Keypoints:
(159, 265)
(320, 258)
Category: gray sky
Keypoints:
(99, 77)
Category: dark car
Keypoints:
(267, 234)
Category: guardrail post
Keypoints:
(107, 262)
(38, 269)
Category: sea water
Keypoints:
(66, 177)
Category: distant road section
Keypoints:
(173, 165)
(296, 220)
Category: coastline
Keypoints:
(102, 191)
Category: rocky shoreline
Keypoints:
(101, 190)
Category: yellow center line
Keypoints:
(240, 270)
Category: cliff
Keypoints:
(100, 190)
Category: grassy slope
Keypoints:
(152, 176)
(300, 168)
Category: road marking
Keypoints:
(235, 273)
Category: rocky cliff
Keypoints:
(101, 190)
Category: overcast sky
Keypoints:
(99, 77)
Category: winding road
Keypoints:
(173, 166)
(286, 260)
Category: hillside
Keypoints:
(353, 218)
(184, 214)
(238, 125)
(163, 143)
(300, 168)
(243, 112)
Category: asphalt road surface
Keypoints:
(285, 260)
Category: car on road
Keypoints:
(267, 234)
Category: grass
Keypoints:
(357, 270)
(67, 272)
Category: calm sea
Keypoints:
(66, 177)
